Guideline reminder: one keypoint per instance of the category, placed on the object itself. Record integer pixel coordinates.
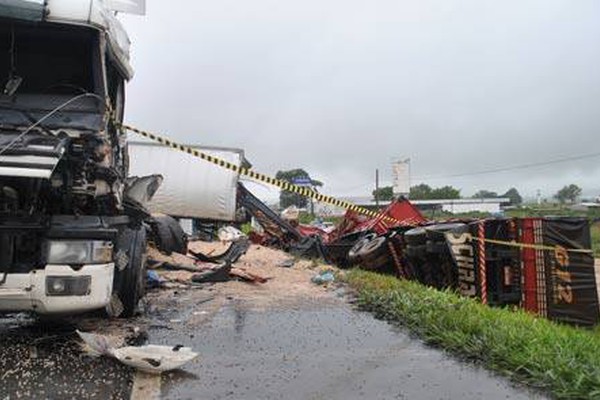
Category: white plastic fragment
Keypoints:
(97, 345)
(151, 358)
(155, 359)
(230, 234)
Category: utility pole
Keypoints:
(377, 188)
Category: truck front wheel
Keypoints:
(130, 270)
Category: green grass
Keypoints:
(595, 231)
(561, 359)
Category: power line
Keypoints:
(511, 168)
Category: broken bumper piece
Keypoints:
(58, 289)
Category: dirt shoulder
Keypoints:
(288, 278)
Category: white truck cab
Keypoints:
(72, 234)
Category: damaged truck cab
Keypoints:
(72, 232)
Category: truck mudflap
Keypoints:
(58, 289)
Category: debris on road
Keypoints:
(96, 345)
(247, 276)
(230, 234)
(218, 274)
(149, 358)
(155, 359)
(289, 263)
(323, 278)
(153, 280)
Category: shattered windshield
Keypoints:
(42, 67)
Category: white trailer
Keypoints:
(192, 187)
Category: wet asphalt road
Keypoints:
(306, 351)
(41, 360)
(313, 351)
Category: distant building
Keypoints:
(458, 206)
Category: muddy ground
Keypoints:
(285, 339)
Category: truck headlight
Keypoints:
(79, 252)
(68, 285)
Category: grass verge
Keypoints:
(595, 232)
(561, 359)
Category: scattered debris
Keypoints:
(323, 277)
(153, 280)
(233, 253)
(199, 267)
(247, 276)
(289, 263)
(150, 358)
(230, 234)
(96, 345)
(291, 214)
(155, 359)
(219, 274)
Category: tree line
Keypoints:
(568, 194)
(426, 192)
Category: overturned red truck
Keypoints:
(544, 265)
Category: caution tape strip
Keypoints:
(512, 243)
(535, 246)
(284, 185)
(303, 191)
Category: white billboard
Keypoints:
(401, 177)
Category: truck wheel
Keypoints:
(168, 235)
(354, 252)
(130, 282)
(375, 255)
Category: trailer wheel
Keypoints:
(354, 252)
(130, 282)
(375, 254)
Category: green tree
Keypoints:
(514, 196)
(445, 192)
(485, 194)
(287, 199)
(420, 192)
(385, 193)
(425, 192)
(568, 193)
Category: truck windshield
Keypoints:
(48, 59)
(44, 65)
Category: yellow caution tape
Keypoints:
(512, 243)
(533, 246)
(284, 185)
(303, 191)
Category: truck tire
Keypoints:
(169, 237)
(353, 253)
(375, 254)
(130, 282)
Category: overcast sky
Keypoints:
(342, 87)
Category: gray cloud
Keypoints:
(343, 87)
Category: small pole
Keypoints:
(377, 188)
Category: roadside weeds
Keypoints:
(563, 360)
